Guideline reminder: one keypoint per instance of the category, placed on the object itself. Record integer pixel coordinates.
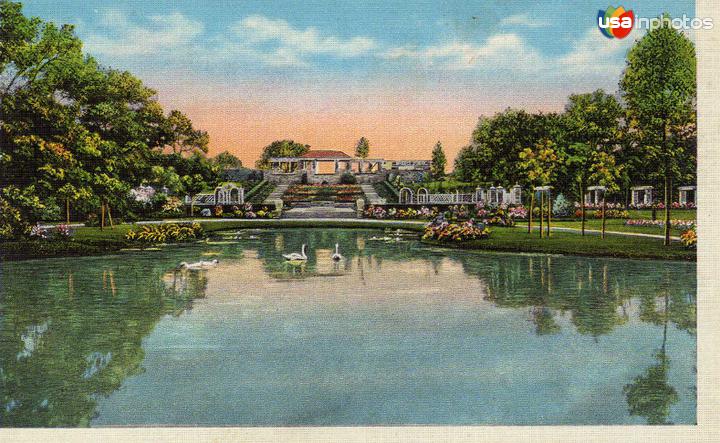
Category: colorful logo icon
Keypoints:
(616, 22)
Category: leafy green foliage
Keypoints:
(168, 232)
(226, 160)
(77, 133)
(348, 178)
(280, 148)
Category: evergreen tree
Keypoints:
(437, 165)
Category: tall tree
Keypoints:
(438, 162)
(362, 148)
(659, 87)
(605, 172)
(592, 123)
(180, 135)
(72, 131)
(280, 148)
(540, 165)
(497, 141)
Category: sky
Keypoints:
(404, 74)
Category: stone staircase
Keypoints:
(371, 195)
(324, 209)
(276, 194)
(320, 211)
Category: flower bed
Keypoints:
(661, 205)
(501, 215)
(168, 232)
(456, 232)
(313, 193)
(678, 224)
(423, 213)
(245, 211)
(61, 231)
(609, 213)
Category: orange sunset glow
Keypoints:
(399, 124)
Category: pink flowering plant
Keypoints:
(456, 232)
(63, 231)
(678, 224)
(39, 232)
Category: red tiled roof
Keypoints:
(325, 153)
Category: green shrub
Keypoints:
(348, 178)
(11, 222)
(168, 232)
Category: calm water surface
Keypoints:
(396, 333)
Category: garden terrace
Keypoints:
(322, 193)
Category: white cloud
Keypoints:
(524, 19)
(590, 58)
(163, 32)
(291, 41)
(594, 54)
(498, 51)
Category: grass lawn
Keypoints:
(675, 214)
(93, 241)
(518, 240)
(610, 225)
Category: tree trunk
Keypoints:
(542, 210)
(549, 214)
(582, 208)
(668, 186)
(530, 211)
(602, 235)
(102, 216)
(67, 211)
(668, 192)
(112, 226)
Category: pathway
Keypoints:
(276, 194)
(597, 231)
(372, 196)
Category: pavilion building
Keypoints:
(325, 166)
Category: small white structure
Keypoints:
(641, 195)
(594, 195)
(496, 196)
(227, 194)
(406, 196)
(686, 194)
(490, 196)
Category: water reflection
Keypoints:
(71, 331)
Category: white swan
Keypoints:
(199, 265)
(294, 256)
(336, 256)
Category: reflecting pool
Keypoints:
(394, 333)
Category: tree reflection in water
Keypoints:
(70, 333)
(650, 395)
(72, 330)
